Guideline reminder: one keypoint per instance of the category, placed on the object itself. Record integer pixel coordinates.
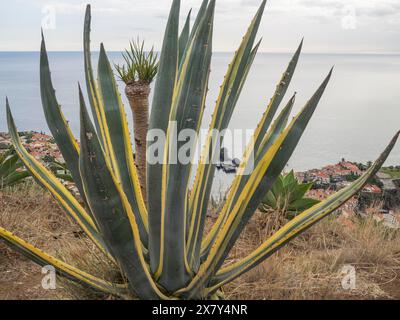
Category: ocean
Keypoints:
(357, 116)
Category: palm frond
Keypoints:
(140, 65)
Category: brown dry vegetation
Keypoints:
(308, 268)
(33, 215)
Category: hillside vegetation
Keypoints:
(309, 268)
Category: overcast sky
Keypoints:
(327, 25)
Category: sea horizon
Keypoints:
(355, 119)
(219, 52)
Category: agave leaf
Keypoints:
(228, 97)
(276, 129)
(279, 187)
(258, 145)
(197, 220)
(184, 38)
(196, 24)
(13, 178)
(259, 183)
(270, 199)
(300, 191)
(65, 177)
(94, 97)
(8, 165)
(55, 119)
(159, 119)
(46, 179)
(112, 210)
(199, 17)
(298, 225)
(289, 179)
(271, 166)
(187, 108)
(235, 96)
(277, 98)
(63, 269)
(117, 125)
(301, 205)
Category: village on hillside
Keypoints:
(39, 145)
(382, 192)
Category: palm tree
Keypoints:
(138, 73)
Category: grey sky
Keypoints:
(327, 25)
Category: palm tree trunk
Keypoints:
(138, 96)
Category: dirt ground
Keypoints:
(309, 268)
(21, 279)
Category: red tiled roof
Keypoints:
(372, 188)
(321, 174)
(350, 166)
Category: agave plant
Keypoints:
(60, 170)
(161, 248)
(287, 196)
(138, 73)
(12, 170)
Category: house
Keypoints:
(354, 169)
(321, 177)
(40, 137)
(371, 188)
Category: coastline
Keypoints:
(384, 188)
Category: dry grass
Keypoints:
(308, 268)
(33, 215)
(311, 266)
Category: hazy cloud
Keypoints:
(328, 25)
